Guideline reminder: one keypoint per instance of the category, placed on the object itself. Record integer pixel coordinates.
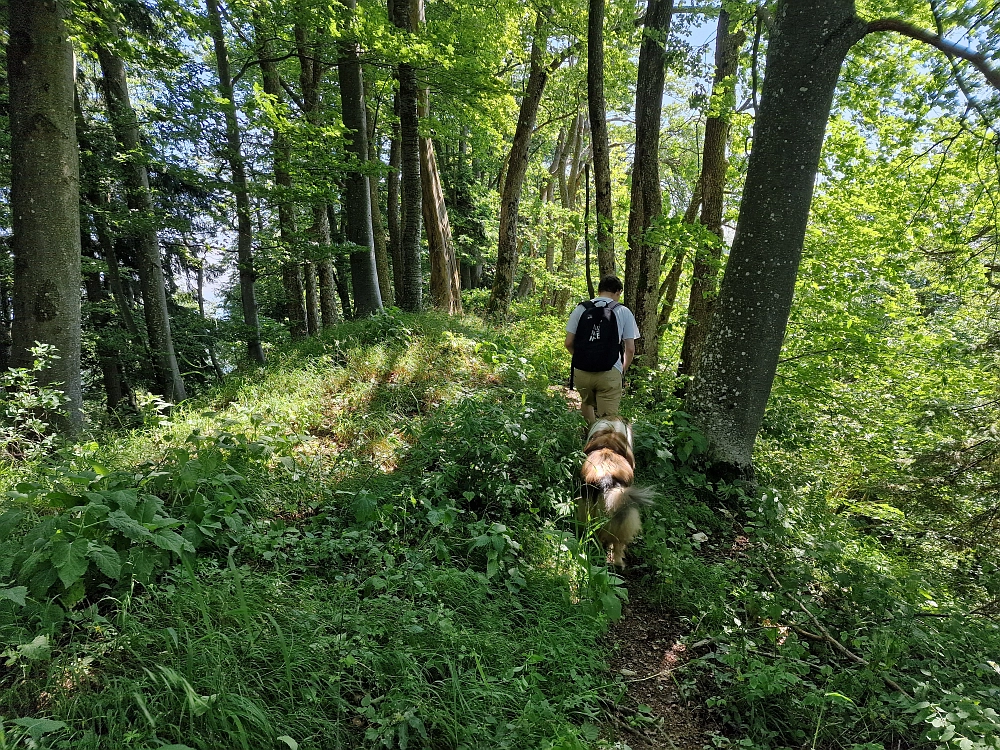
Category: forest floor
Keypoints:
(368, 543)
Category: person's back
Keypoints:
(601, 337)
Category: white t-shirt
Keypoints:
(627, 328)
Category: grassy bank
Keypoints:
(362, 544)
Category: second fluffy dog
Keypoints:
(607, 494)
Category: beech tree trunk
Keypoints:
(740, 357)
(517, 167)
(364, 276)
(45, 198)
(597, 107)
(411, 293)
(642, 260)
(149, 263)
(234, 154)
(704, 279)
(291, 276)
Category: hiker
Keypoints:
(601, 336)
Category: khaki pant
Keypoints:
(602, 390)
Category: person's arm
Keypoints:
(628, 354)
(570, 337)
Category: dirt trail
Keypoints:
(653, 714)
(647, 653)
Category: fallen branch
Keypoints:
(826, 636)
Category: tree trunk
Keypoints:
(45, 198)
(341, 268)
(740, 357)
(291, 277)
(234, 154)
(704, 279)
(295, 308)
(446, 283)
(5, 321)
(149, 263)
(392, 209)
(642, 260)
(327, 293)
(310, 77)
(411, 292)
(517, 167)
(364, 276)
(446, 292)
(385, 285)
(597, 106)
(108, 355)
(312, 299)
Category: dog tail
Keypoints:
(617, 499)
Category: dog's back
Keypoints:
(607, 491)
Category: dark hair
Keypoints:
(610, 283)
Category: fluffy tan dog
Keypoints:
(607, 492)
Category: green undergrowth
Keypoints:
(814, 622)
(363, 544)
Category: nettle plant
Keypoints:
(24, 402)
(100, 530)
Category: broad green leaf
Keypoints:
(15, 594)
(128, 526)
(9, 522)
(107, 560)
(38, 727)
(292, 744)
(38, 650)
(171, 540)
(71, 559)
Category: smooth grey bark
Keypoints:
(291, 275)
(740, 357)
(237, 166)
(45, 199)
(410, 294)
(357, 203)
(704, 279)
(597, 107)
(149, 262)
(517, 167)
(642, 259)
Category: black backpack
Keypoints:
(596, 344)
